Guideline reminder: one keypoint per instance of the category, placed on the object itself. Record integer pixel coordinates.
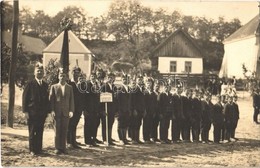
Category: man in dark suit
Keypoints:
(206, 118)
(196, 116)
(62, 109)
(186, 121)
(256, 104)
(218, 120)
(229, 117)
(91, 111)
(138, 107)
(124, 109)
(78, 90)
(155, 117)
(177, 115)
(111, 107)
(166, 108)
(36, 106)
(151, 106)
(236, 118)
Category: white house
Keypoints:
(242, 47)
(79, 54)
(178, 54)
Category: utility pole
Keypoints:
(12, 70)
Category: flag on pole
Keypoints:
(64, 57)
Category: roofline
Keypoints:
(186, 34)
(238, 39)
(69, 52)
(179, 57)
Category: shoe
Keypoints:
(98, 141)
(57, 152)
(32, 154)
(236, 139)
(134, 142)
(111, 143)
(65, 152)
(148, 142)
(113, 140)
(126, 142)
(140, 142)
(70, 145)
(76, 146)
(204, 142)
(78, 143)
(94, 144)
(210, 141)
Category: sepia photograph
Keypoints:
(130, 83)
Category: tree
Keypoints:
(6, 16)
(12, 70)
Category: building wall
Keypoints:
(238, 53)
(84, 61)
(164, 65)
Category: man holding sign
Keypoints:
(109, 87)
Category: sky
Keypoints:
(243, 10)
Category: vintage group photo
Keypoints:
(130, 83)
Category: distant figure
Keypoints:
(256, 105)
(36, 106)
(62, 108)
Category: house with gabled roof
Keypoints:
(178, 54)
(30, 45)
(79, 54)
(242, 48)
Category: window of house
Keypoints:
(173, 66)
(188, 66)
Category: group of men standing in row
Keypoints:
(136, 102)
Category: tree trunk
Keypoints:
(12, 70)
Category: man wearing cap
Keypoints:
(124, 109)
(155, 117)
(36, 106)
(91, 111)
(62, 108)
(206, 118)
(78, 91)
(166, 107)
(111, 108)
(151, 107)
(218, 120)
(236, 118)
(177, 115)
(138, 107)
(229, 110)
(196, 116)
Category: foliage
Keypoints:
(51, 72)
(252, 82)
(134, 28)
(24, 69)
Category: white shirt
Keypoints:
(39, 81)
(62, 89)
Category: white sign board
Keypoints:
(106, 97)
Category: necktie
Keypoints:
(40, 82)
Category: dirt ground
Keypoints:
(243, 153)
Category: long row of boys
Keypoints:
(141, 102)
